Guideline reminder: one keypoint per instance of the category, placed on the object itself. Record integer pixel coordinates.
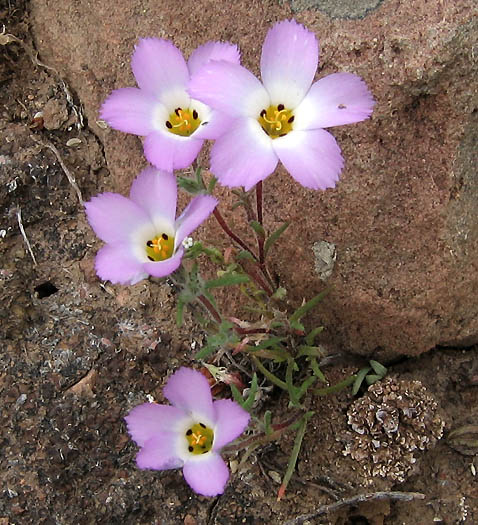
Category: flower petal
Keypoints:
(114, 217)
(130, 110)
(340, 98)
(159, 452)
(149, 419)
(166, 267)
(189, 390)
(312, 157)
(212, 51)
(243, 156)
(117, 264)
(170, 152)
(230, 88)
(289, 59)
(155, 192)
(196, 212)
(217, 124)
(231, 420)
(159, 66)
(207, 476)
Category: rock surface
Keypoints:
(402, 218)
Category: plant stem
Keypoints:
(264, 438)
(210, 308)
(260, 239)
(232, 235)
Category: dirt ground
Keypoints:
(77, 354)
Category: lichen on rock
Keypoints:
(391, 424)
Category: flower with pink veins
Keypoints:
(189, 434)
(283, 117)
(174, 124)
(142, 235)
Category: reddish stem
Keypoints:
(231, 234)
(260, 238)
(210, 308)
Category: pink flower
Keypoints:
(281, 119)
(189, 434)
(141, 233)
(174, 125)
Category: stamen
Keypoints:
(276, 121)
(160, 248)
(183, 122)
(200, 438)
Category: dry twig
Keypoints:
(24, 235)
(69, 175)
(355, 500)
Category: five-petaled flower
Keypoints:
(188, 434)
(141, 233)
(281, 119)
(174, 124)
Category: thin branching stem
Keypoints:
(232, 235)
(260, 238)
(263, 438)
(210, 308)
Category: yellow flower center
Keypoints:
(199, 438)
(183, 122)
(276, 121)
(160, 248)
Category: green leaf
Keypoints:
(305, 386)
(274, 237)
(270, 342)
(211, 185)
(378, 368)
(267, 422)
(372, 378)
(237, 395)
(252, 394)
(301, 311)
(317, 371)
(225, 335)
(297, 325)
(359, 379)
(180, 311)
(313, 334)
(294, 454)
(258, 228)
(293, 390)
(280, 293)
(244, 254)
(189, 185)
(227, 280)
(314, 351)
